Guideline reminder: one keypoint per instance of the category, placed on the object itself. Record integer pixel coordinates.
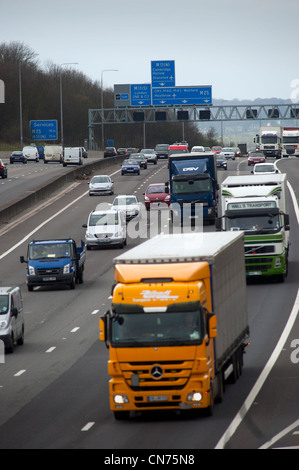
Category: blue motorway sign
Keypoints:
(185, 96)
(163, 73)
(43, 130)
(141, 95)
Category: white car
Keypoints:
(101, 184)
(106, 227)
(31, 153)
(197, 148)
(228, 152)
(150, 155)
(127, 203)
(264, 169)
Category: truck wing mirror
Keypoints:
(103, 329)
(286, 221)
(218, 223)
(22, 259)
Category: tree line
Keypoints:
(40, 98)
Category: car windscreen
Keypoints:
(100, 179)
(156, 189)
(50, 250)
(103, 219)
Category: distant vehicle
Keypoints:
(216, 149)
(106, 228)
(110, 152)
(101, 184)
(40, 149)
(17, 156)
(84, 152)
(150, 155)
(52, 262)
(207, 149)
(127, 203)
(130, 166)
(31, 153)
(132, 150)
(228, 152)
(123, 151)
(162, 150)
(53, 153)
(221, 161)
(197, 148)
(237, 151)
(12, 323)
(3, 169)
(72, 156)
(264, 169)
(155, 195)
(177, 148)
(256, 157)
(140, 159)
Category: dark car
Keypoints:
(130, 166)
(221, 162)
(3, 169)
(256, 157)
(155, 195)
(17, 156)
(41, 151)
(110, 152)
(140, 159)
(162, 150)
(123, 151)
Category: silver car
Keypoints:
(228, 152)
(101, 184)
(12, 324)
(150, 155)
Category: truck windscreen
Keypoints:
(156, 328)
(191, 186)
(253, 223)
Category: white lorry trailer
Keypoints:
(258, 205)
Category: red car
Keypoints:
(155, 195)
(216, 149)
(256, 157)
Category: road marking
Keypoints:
(280, 435)
(88, 426)
(20, 373)
(94, 312)
(51, 349)
(75, 329)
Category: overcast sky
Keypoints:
(245, 49)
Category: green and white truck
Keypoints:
(258, 205)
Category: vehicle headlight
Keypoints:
(146, 198)
(31, 271)
(194, 396)
(120, 399)
(167, 197)
(67, 269)
(3, 324)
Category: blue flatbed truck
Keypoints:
(54, 262)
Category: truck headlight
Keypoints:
(120, 399)
(31, 271)
(194, 396)
(277, 262)
(67, 269)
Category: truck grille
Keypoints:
(49, 272)
(150, 376)
(258, 264)
(252, 250)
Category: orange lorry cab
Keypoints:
(163, 325)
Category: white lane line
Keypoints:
(88, 426)
(94, 312)
(280, 435)
(51, 349)
(20, 373)
(75, 329)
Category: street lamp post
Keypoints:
(61, 106)
(102, 106)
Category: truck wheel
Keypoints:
(20, 341)
(72, 284)
(10, 347)
(210, 408)
(80, 277)
(30, 288)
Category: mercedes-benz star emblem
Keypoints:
(156, 372)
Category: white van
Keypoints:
(31, 153)
(53, 153)
(106, 227)
(12, 324)
(72, 156)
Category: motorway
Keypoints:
(54, 388)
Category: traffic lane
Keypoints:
(27, 178)
(43, 308)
